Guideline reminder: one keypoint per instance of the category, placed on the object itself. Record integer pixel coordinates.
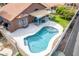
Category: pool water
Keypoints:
(39, 41)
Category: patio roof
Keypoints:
(40, 13)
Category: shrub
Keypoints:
(65, 12)
(60, 9)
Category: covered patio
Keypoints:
(40, 16)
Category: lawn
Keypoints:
(61, 21)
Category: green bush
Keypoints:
(60, 9)
(65, 12)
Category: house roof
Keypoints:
(48, 5)
(11, 10)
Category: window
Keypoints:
(23, 22)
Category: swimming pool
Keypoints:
(39, 41)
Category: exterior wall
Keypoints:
(69, 49)
(14, 25)
(76, 47)
(30, 19)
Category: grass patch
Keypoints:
(61, 21)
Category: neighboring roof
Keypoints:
(40, 13)
(11, 10)
(48, 5)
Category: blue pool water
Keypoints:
(39, 41)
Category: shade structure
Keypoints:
(40, 13)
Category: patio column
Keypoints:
(38, 19)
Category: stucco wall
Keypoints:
(12, 25)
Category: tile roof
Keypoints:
(40, 13)
(11, 10)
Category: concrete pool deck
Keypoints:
(20, 34)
